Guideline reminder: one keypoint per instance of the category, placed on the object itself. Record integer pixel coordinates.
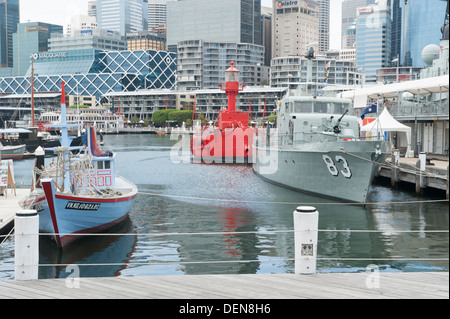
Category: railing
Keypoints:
(305, 234)
(414, 109)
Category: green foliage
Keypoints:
(79, 106)
(160, 117)
(176, 116)
(180, 116)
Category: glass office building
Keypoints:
(422, 21)
(9, 19)
(122, 15)
(373, 40)
(31, 37)
(94, 72)
(237, 21)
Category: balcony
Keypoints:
(409, 110)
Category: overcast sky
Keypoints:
(60, 11)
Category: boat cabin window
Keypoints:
(321, 107)
(340, 108)
(104, 165)
(302, 107)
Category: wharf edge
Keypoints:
(389, 285)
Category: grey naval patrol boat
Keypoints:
(316, 148)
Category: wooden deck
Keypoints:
(9, 205)
(392, 285)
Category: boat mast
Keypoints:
(32, 91)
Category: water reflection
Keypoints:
(108, 250)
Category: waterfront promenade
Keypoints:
(383, 285)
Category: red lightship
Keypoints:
(230, 142)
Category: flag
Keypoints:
(326, 77)
(370, 109)
(328, 65)
(306, 4)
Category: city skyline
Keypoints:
(60, 12)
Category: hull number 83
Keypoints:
(331, 164)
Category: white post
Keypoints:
(26, 258)
(306, 224)
(423, 161)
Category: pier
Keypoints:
(434, 174)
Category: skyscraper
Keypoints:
(9, 19)
(324, 25)
(373, 39)
(92, 8)
(236, 21)
(422, 21)
(396, 38)
(31, 38)
(295, 27)
(157, 13)
(349, 11)
(122, 15)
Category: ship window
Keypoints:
(321, 107)
(100, 165)
(339, 108)
(108, 165)
(289, 107)
(302, 107)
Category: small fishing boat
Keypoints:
(79, 194)
(14, 152)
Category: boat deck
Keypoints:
(392, 285)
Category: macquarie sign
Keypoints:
(49, 55)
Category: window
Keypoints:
(302, 107)
(321, 107)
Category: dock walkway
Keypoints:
(435, 174)
(391, 285)
(9, 205)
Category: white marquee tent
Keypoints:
(386, 123)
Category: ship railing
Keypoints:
(303, 256)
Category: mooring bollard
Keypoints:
(421, 165)
(40, 162)
(26, 258)
(306, 224)
(395, 171)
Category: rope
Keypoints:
(131, 264)
(6, 236)
(287, 203)
(243, 232)
(414, 170)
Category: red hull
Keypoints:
(229, 146)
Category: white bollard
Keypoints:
(423, 161)
(306, 224)
(26, 258)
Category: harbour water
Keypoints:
(249, 224)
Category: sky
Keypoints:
(60, 11)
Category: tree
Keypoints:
(160, 117)
(180, 116)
